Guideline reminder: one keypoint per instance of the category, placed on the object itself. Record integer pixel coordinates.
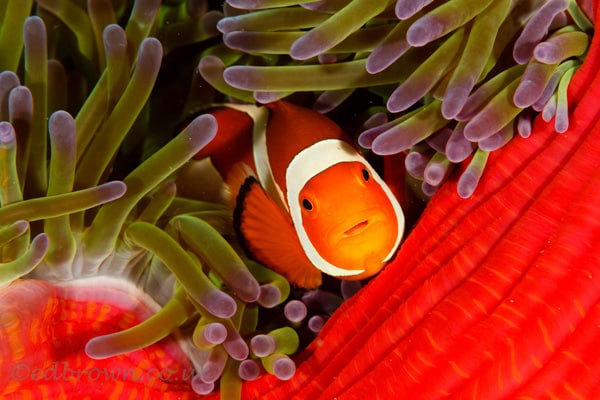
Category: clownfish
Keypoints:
(306, 201)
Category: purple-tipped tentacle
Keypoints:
(407, 8)
(250, 370)
(436, 169)
(415, 163)
(270, 296)
(262, 345)
(458, 147)
(498, 139)
(295, 311)
(316, 322)
(536, 29)
(201, 387)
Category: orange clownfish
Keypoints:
(307, 201)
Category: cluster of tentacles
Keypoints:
(108, 275)
(460, 79)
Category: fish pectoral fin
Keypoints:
(269, 237)
(237, 175)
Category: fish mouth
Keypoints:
(356, 229)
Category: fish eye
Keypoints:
(308, 206)
(365, 175)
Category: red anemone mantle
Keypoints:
(494, 296)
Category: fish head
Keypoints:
(350, 218)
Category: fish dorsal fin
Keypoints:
(260, 117)
(269, 237)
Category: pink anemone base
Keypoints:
(45, 329)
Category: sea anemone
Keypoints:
(115, 283)
(100, 254)
(459, 79)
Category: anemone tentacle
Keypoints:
(438, 50)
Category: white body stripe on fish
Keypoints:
(260, 118)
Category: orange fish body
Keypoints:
(314, 204)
